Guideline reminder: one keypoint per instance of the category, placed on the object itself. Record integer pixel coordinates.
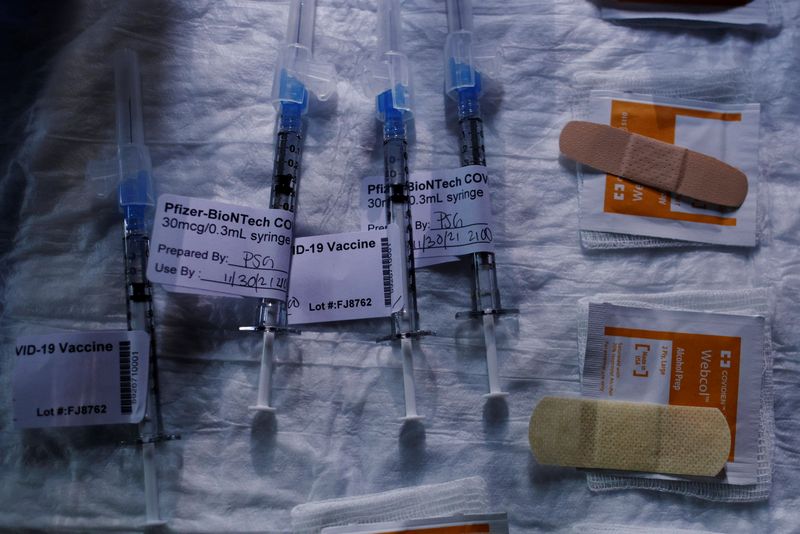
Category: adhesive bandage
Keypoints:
(680, 440)
(654, 163)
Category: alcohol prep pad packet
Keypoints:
(718, 86)
(728, 132)
(707, 349)
(681, 358)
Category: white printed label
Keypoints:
(212, 246)
(341, 277)
(82, 378)
(450, 209)
(637, 369)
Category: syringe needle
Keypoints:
(265, 373)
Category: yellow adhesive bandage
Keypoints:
(654, 438)
(654, 163)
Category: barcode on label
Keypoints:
(125, 392)
(386, 260)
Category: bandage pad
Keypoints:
(654, 163)
(630, 436)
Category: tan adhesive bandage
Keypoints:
(630, 436)
(654, 163)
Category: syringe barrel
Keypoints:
(469, 104)
(471, 130)
(398, 212)
(301, 23)
(139, 302)
(283, 193)
(138, 288)
(459, 15)
(485, 291)
(286, 165)
(394, 108)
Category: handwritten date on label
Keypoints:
(211, 246)
(450, 212)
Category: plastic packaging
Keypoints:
(722, 87)
(752, 302)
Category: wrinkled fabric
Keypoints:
(207, 69)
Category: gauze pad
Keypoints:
(654, 163)
(629, 436)
(463, 496)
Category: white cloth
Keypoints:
(207, 68)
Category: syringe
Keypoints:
(295, 75)
(392, 86)
(136, 204)
(464, 85)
